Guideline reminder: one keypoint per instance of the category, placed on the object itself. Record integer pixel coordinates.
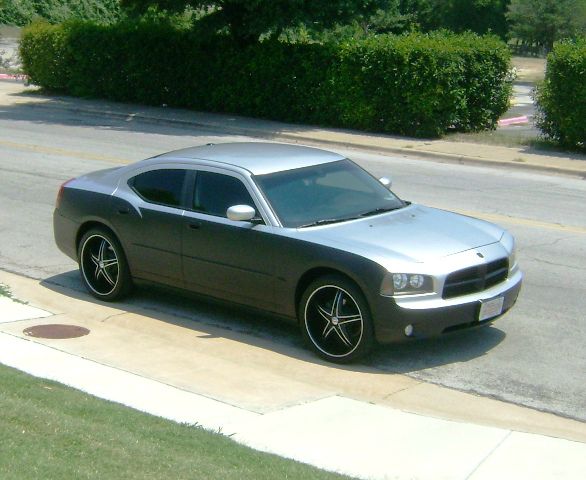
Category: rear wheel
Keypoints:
(335, 319)
(103, 266)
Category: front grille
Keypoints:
(476, 279)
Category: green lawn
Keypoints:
(49, 431)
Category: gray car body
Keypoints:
(269, 266)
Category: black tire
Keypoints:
(335, 319)
(103, 266)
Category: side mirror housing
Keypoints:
(241, 213)
(386, 181)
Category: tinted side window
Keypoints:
(160, 186)
(215, 193)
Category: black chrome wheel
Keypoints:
(103, 266)
(335, 319)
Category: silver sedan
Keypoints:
(300, 232)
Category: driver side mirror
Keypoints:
(241, 213)
(386, 181)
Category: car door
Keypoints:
(148, 215)
(228, 259)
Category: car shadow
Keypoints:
(459, 346)
(262, 330)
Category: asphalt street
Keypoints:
(533, 356)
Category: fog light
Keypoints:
(409, 330)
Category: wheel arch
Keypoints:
(315, 273)
(87, 226)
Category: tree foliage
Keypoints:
(384, 20)
(542, 22)
(480, 16)
(247, 20)
(21, 12)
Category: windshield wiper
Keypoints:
(326, 221)
(376, 211)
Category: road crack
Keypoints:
(109, 317)
(547, 262)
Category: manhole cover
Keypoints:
(56, 331)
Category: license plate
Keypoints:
(491, 308)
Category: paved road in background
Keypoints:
(534, 356)
(9, 44)
(521, 105)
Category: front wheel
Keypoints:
(335, 319)
(103, 266)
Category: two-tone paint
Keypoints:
(269, 266)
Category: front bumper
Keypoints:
(432, 317)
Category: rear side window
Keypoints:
(164, 187)
(215, 193)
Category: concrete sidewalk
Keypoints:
(13, 95)
(282, 399)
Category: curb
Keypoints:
(308, 140)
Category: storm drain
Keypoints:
(55, 331)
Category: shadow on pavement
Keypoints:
(160, 119)
(549, 151)
(277, 334)
(64, 114)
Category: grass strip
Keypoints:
(51, 431)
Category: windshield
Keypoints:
(326, 193)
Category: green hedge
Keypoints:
(561, 99)
(416, 84)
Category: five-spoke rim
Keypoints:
(99, 265)
(333, 321)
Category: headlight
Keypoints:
(513, 256)
(406, 284)
(509, 244)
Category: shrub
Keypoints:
(424, 84)
(47, 55)
(561, 98)
(412, 85)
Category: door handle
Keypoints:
(194, 225)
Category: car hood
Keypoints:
(415, 234)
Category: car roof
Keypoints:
(258, 158)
